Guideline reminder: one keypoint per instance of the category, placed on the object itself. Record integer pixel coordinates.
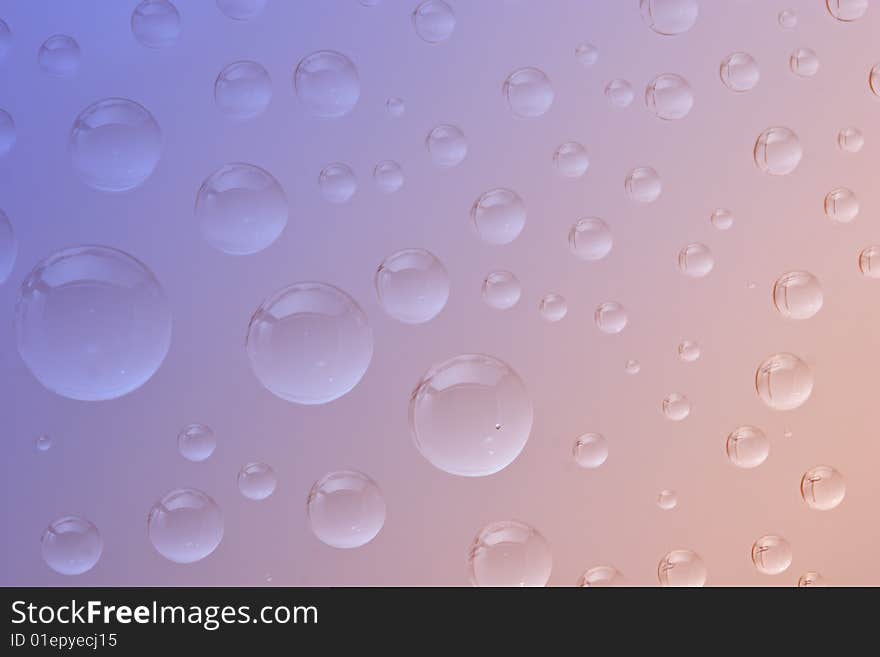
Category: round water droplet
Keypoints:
(643, 185)
(499, 216)
(388, 176)
(688, 351)
(327, 83)
(590, 239)
(810, 579)
(346, 509)
(553, 307)
(243, 90)
(185, 526)
(509, 553)
(619, 93)
(571, 159)
(7, 132)
(869, 262)
(676, 407)
(874, 79)
(470, 415)
(43, 442)
(395, 107)
(71, 545)
(590, 450)
(695, 260)
(847, 10)
(8, 247)
(822, 488)
(528, 92)
(681, 568)
(771, 555)
(196, 442)
(669, 17)
(787, 19)
(587, 54)
(669, 97)
(155, 23)
(841, 205)
(241, 209)
(797, 295)
(610, 317)
(667, 499)
(850, 140)
(92, 323)
(739, 72)
(59, 56)
(778, 151)
(434, 21)
(804, 63)
(783, 381)
(632, 366)
(257, 481)
(412, 286)
(502, 290)
(447, 145)
(337, 182)
(241, 10)
(722, 219)
(5, 39)
(747, 447)
(600, 576)
(115, 144)
(309, 343)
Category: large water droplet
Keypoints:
(327, 83)
(822, 487)
(747, 447)
(196, 442)
(71, 545)
(667, 499)
(811, 579)
(388, 176)
(841, 205)
(587, 54)
(243, 90)
(619, 93)
(688, 351)
(346, 509)
(643, 185)
(681, 568)
(499, 216)
(185, 526)
(669, 17)
(797, 295)
(59, 56)
(447, 145)
(851, 140)
(599, 576)
(610, 317)
(722, 219)
(771, 555)
(669, 97)
(528, 92)
(155, 23)
(257, 481)
(676, 407)
(847, 10)
(242, 10)
(787, 19)
(804, 62)
(502, 290)
(571, 159)
(590, 450)
(412, 285)
(434, 21)
(553, 307)
(337, 182)
(590, 239)
(778, 151)
(739, 72)
(695, 260)
(783, 381)
(509, 553)
(869, 261)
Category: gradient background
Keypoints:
(112, 460)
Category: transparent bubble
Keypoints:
(667, 499)
(337, 182)
(388, 176)
(370, 3)
(676, 407)
(43, 443)
(528, 92)
(669, 17)
(695, 260)
(841, 205)
(470, 415)
(327, 83)
(59, 56)
(553, 307)
(115, 144)
(412, 286)
(847, 10)
(778, 151)
(601, 576)
(92, 323)
(509, 553)
(610, 317)
(869, 262)
(783, 381)
(8, 247)
(257, 481)
(619, 93)
(747, 447)
(395, 107)
(681, 568)
(309, 343)
(447, 145)
(241, 209)
(499, 216)
(688, 351)
(7, 132)
(185, 526)
(722, 219)
(632, 366)
(874, 79)
(5, 39)
(346, 509)
(797, 295)
(587, 54)
(196, 442)
(71, 545)
(501, 290)
(771, 555)
(804, 63)
(241, 10)
(434, 21)
(850, 140)
(739, 72)
(811, 579)
(787, 19)
(155, 23)
(571, 159)
(590, 450)
(643, 185)
(590, 239)
(243, 90)
(822, 487)
(669, 97)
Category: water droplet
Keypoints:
(447, 145)
(388, 176)
(509, 553)
(185, 526)
(395, 107)
(783, 382)
(681, 568)
(632, 366)
(59, 56)
(822, 487)
(695, 260)
(499, 216)
(810, 579)
(869, 262)
(8, 247)
(571, 159)
(850, 140)
(667, 499)
(243, 90)
(590, 239)
(797, 295)
(688, 351)
(778, 151)
(619, 93)
(787, 19)
(115, 144)
(747, 447)
(309, 343)
(337, 182)
(874, 79)
(771, 555)
(841, 205)
(669, 17)
(257, 481)
(155, 23)
(669, 97)
(43, 442)
(241, 10)
(553, 307)
(412, 286)
(346, 509)
(587, 54)
(196, 442)
(590, 450)
(434, 21)
(71, 545)
(327, 83)
(739, 72)
(676, 407)
(847, 10)
(454, 411)
(7, 132)
(643, 185)
(804, 63)
(722, 219)
(241, 209)
(610, 317)
(528, 92)
(92, 323)
(501, 290)
(5, 39)
(600, 576)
